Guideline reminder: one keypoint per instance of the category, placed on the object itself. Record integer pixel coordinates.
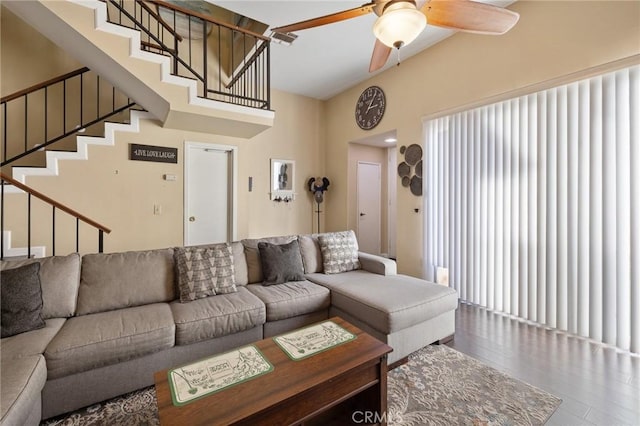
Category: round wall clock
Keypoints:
(370, 107)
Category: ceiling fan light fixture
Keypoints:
(400, 24)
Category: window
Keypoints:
(534, 206)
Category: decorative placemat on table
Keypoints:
(313, 339)
(214, 374)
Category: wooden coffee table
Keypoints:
(344, 384)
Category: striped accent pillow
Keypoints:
(204, 271)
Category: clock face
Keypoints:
(370, 107)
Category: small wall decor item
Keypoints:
(370, 107)
(410, 170)
(318, 186)
(282, 180)
(158, 154)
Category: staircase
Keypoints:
(115, 38)
(118, 54)
(51, 121)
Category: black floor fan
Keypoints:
(318, 190)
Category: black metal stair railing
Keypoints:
(229, 63)
(46, 113)
(55, 207)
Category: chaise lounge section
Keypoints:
(112, 320)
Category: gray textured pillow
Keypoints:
(339, 252)
(281, 263)
(204, 271)
(21, 300)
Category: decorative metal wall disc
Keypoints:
(416, 186)
(404, 170)
(410, 170)
(413, 154)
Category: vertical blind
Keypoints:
(533, 205)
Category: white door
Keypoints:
(369, 207)
(208, 194)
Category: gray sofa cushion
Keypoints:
(22, 383)
(311, 254)
(217, 316)
(281, 262)
(291, 299)
(21, 300)
(59, 278)
(387, 303)
(32, 342)
(252, 255)
(92, 341)
(240, 263)
(122, 280)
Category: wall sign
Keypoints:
(159, 154)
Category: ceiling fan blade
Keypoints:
(379, 57)
(470, 16)
(327, 19)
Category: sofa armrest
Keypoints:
(377, 264)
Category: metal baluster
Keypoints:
(53, 231)
(97, 96)
(77, 235)
(4, 130)
(81, 96)
(205, 67)
(268, 75)
(64, 106)
(100, 240)
(28, 226)
(26, 115)
(46, 112)
(219, 62)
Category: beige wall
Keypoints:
(21, 63)
(552, 39)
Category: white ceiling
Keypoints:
(326, 60)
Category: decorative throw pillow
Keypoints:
(196, 272)
(225, 269)
(339, 252)
(281, 263)
(204, 271)
(21, 300)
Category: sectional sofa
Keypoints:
(112, 320)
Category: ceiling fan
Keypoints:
(401, 21)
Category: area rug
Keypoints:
(438, 386)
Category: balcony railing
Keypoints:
(48, 112)
(229, 63)
(55, 208)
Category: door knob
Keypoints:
(363, 214)
(192, 219)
